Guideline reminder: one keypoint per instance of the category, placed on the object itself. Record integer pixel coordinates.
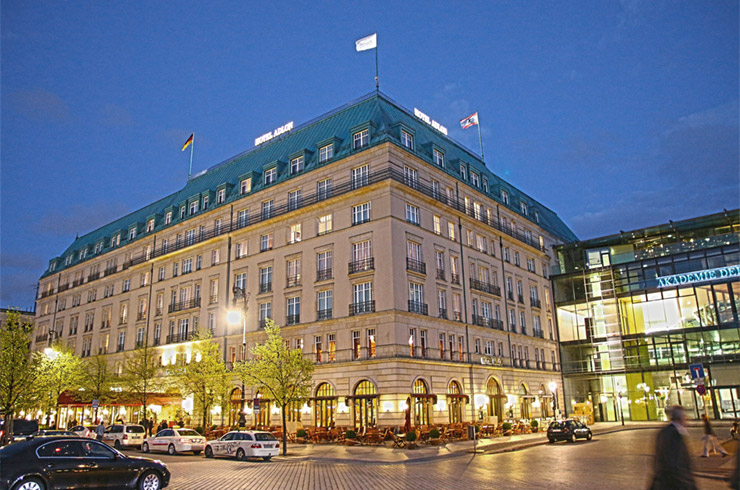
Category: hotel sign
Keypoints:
(430, 121)
(273, 134)
(491, 361)
(699, 276)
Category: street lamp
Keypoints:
(233, 318)
(620, 392)
(554, 390)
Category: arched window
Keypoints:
(235, 406)
(324, 405)
(364, 406)
(525, 401)
(262, 419)
(495, 399)
(455, 402)
(545, 402)
(422, 402)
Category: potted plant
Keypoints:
(506, 426)
(300, 436)
(434, 439)
(349, 437)
(411, 440)
(535, 425)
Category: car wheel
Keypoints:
(572, 438)
(589, 436)
(117, 444)
(240, 455)
(30, 484)
(196, 452)
(267, 458)
(209, 452)
(145, 447)
(552, 441)
(171, 450)
(150, 481)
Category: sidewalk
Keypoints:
(385, 455)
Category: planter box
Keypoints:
(349, 442)
(435, 442)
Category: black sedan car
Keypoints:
(45, 463)
(50, 433)
(568, 430)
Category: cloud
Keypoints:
(722, 115)
(116, 116)
(40, 105)
(78, 219)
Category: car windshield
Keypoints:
(264, 436)
(187, 432)
(136, 429)
(556, 425)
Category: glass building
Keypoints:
(636, 309)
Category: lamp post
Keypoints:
(233, 318)
(554, 390)
(621, 412)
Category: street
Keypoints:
(619, 460)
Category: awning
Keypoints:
(458, 396)
(81, 399)
(425, 395)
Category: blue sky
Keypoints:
(617, 115)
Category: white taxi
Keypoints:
(175, 441)
(124, 435)
(243, 445)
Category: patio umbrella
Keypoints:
(407, 423)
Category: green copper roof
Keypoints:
(376, 111)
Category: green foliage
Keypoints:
(434, 434)
(17, 373)
(411, 436)
(96, 381)
(141, 374)
(534, 423)
(199, 430)
(300, 433)
(350, 434)
(506, 426)
(58, 370)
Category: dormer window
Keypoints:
(360, 139)
(132, 233)
(193, 207)
(168, 218)
(439, 158)
(182, 212)
(205, 202)
(485, 184)
(221, 196)
(68, 260)
(83, 253)
(504, 197)
(536, 216)
(326, 153)
(475, 179)
(463, 172)
(296, 165)
(150, 226)
(52, 265)
(407, 140)
(523, 207)
(270, 176)
(245, 185)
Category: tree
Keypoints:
(283, 372)
(141, 375)
(17, 373)
(96, 382)
(204, 377)
(59, 369)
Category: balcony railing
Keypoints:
(455, 278)
(360, 308)
(292, 319)
(181, 337)
(265, 287)
(293, 281)
(213, 299)
(417, 307)
(324, 274)
(443, 313)
(537, 332)
(483, 321)
(141, 316)
(324, 314)
(457, 316)
(184, 305)
(536, 303)
(441, 274)
(42, 337)
(414, 265)
(361, 265)
(485, 287)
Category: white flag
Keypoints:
(369, 42)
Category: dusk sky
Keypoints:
(616, 115)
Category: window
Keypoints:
(240, 250)
(407, 140)
(477, 346)
(265, 279)
(485, 185)
(442, 338)
(266, 242)
(360, 139)
(442, 303)
(325, 224)
(211, 322)
(370, 343)
(512, 320)
(267, 209)
(324, 305)
(362, 251)
(193, 207)
(126, 285)
(326, 153)
(437, 225)
(360, 213)
(131, 235)
(507, 256)
(423, 338)
(265, 313)
(412, 214)
(356, 347)
(294, 234)
(190, 237)
(123, 313)
(294, 200)
(475, 179)
(270, 176)
(323, 189)
(240, 281)
(451, 230)
(182, 212)
(504, 197)
(463, 171)
(439, 158)
(317, 347)
(416, 296)
(324, 264)
(221, 196)
(517, 261)
(294, 272)
(294, 310)
(362, 295)
(410, 177)
(205, 202)
(215, 256)
(242, 218)
(296, 165)
(168, 218)
(360, 176)
(439, 259)
(149, 228)
(480, 243)
(523, 207)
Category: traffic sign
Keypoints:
(256, 405)
(95, 403)
(697, 371)
(701, 389)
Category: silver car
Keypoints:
(243, 445)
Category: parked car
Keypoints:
(568, 430)
(175, 441)
(83, 431)
(124, 435)
(66, 462)
(22, 428)
(51, 433)
(243, 445)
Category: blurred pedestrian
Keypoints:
(672, 464)
(711, 444)
(99, 431)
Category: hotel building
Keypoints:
(387, 252)
(636, 309)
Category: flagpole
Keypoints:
(377, 85)
(480, 140)
(192, 145)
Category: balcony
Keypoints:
(141, 316)
(455, 278)
(42, 337)
(441, 274)
(213, 299)
(324, 274)
(361, 265)
(360, 308)
(417, 307)
(324, 314)
(416, 266)
(443, 313)
(486, 322)
(536, 303)
(537, 332)
(457, 316)
(265, 287)
(293, 281)
(181, 337)
(293, 319)
(184, 305)
(485, 287)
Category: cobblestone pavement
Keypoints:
(614, 461)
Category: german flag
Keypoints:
(188, 142)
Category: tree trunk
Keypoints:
(285, 434)
(95, 415)
(8, 433)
